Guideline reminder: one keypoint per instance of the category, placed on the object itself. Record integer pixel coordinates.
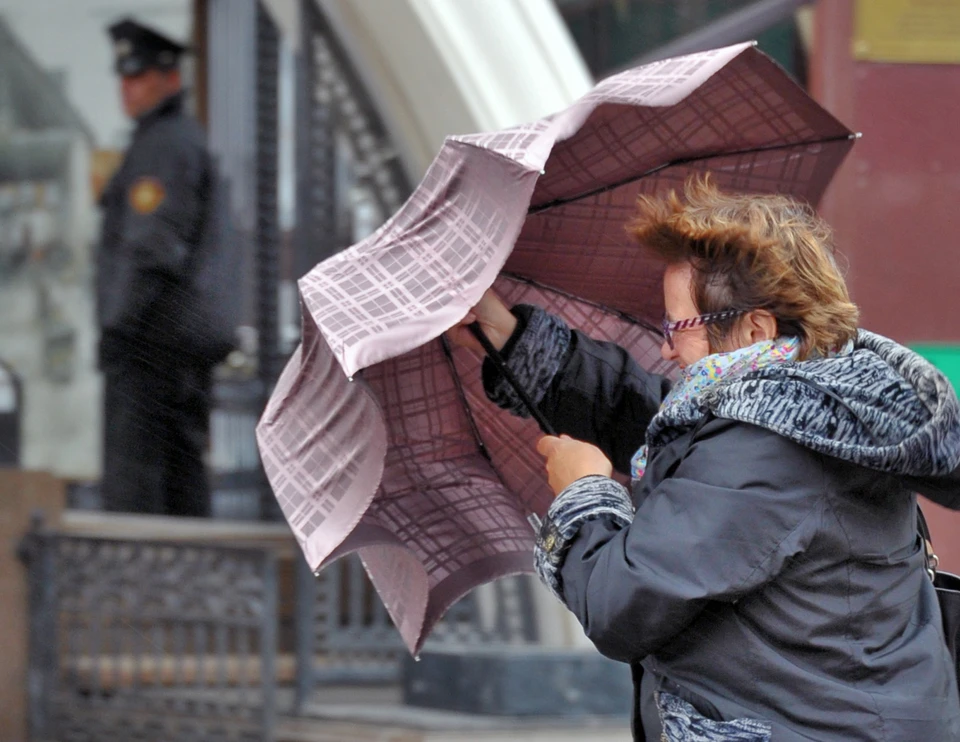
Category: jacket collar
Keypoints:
(170, 106)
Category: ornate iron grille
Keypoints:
(237, 478)
(346, 134)
(344, 634)
(317, 193)
(150, 642)
(270, 362)
(268, 230)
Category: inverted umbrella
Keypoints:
(378, 437)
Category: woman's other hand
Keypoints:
(494, 317)
(568, 460)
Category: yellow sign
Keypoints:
(912, 31)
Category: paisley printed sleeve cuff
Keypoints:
(534, 354)
(586, 499)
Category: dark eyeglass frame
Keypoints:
(669, 328)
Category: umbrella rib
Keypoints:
(532, 518)
(589, 302)
(673, 163)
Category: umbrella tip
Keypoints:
(857, 135)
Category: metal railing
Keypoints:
(345, 636)
(236, 477)
(150, 640)
(162, 638)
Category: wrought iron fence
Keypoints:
(344, 634)
(150, 641)
(267, 262)
(353, 177)
(154, 641)
(237, 479)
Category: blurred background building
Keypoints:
(323, 115)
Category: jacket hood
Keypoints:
(880, 405)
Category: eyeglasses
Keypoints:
(669, 328)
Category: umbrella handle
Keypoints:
(501, 365)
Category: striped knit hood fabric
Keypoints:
(880, 406)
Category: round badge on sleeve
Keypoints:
(146, 195)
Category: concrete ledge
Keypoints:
(137, 527)
(517, 681)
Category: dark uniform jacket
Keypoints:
(760, 588)
(162, 234)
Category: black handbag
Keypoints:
(947, 586)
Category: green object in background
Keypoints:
(944, 357)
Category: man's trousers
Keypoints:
(156, 431)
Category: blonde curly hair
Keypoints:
(752, 251)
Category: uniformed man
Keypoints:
(157, 221)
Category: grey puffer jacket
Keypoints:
(764, 579)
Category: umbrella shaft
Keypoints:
(501, 365)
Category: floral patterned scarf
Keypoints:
(682, 404)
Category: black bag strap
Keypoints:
(931, 560)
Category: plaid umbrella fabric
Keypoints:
(378, 437)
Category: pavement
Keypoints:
(377, 714)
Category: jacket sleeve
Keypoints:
(165, 208)
(603, 396)
(740, 504)
(593, 391)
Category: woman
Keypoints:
(764, 578)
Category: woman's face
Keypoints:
(689, 346)
(692, 344)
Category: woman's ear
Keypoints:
(756, 326)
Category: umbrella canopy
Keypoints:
(407, 462)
